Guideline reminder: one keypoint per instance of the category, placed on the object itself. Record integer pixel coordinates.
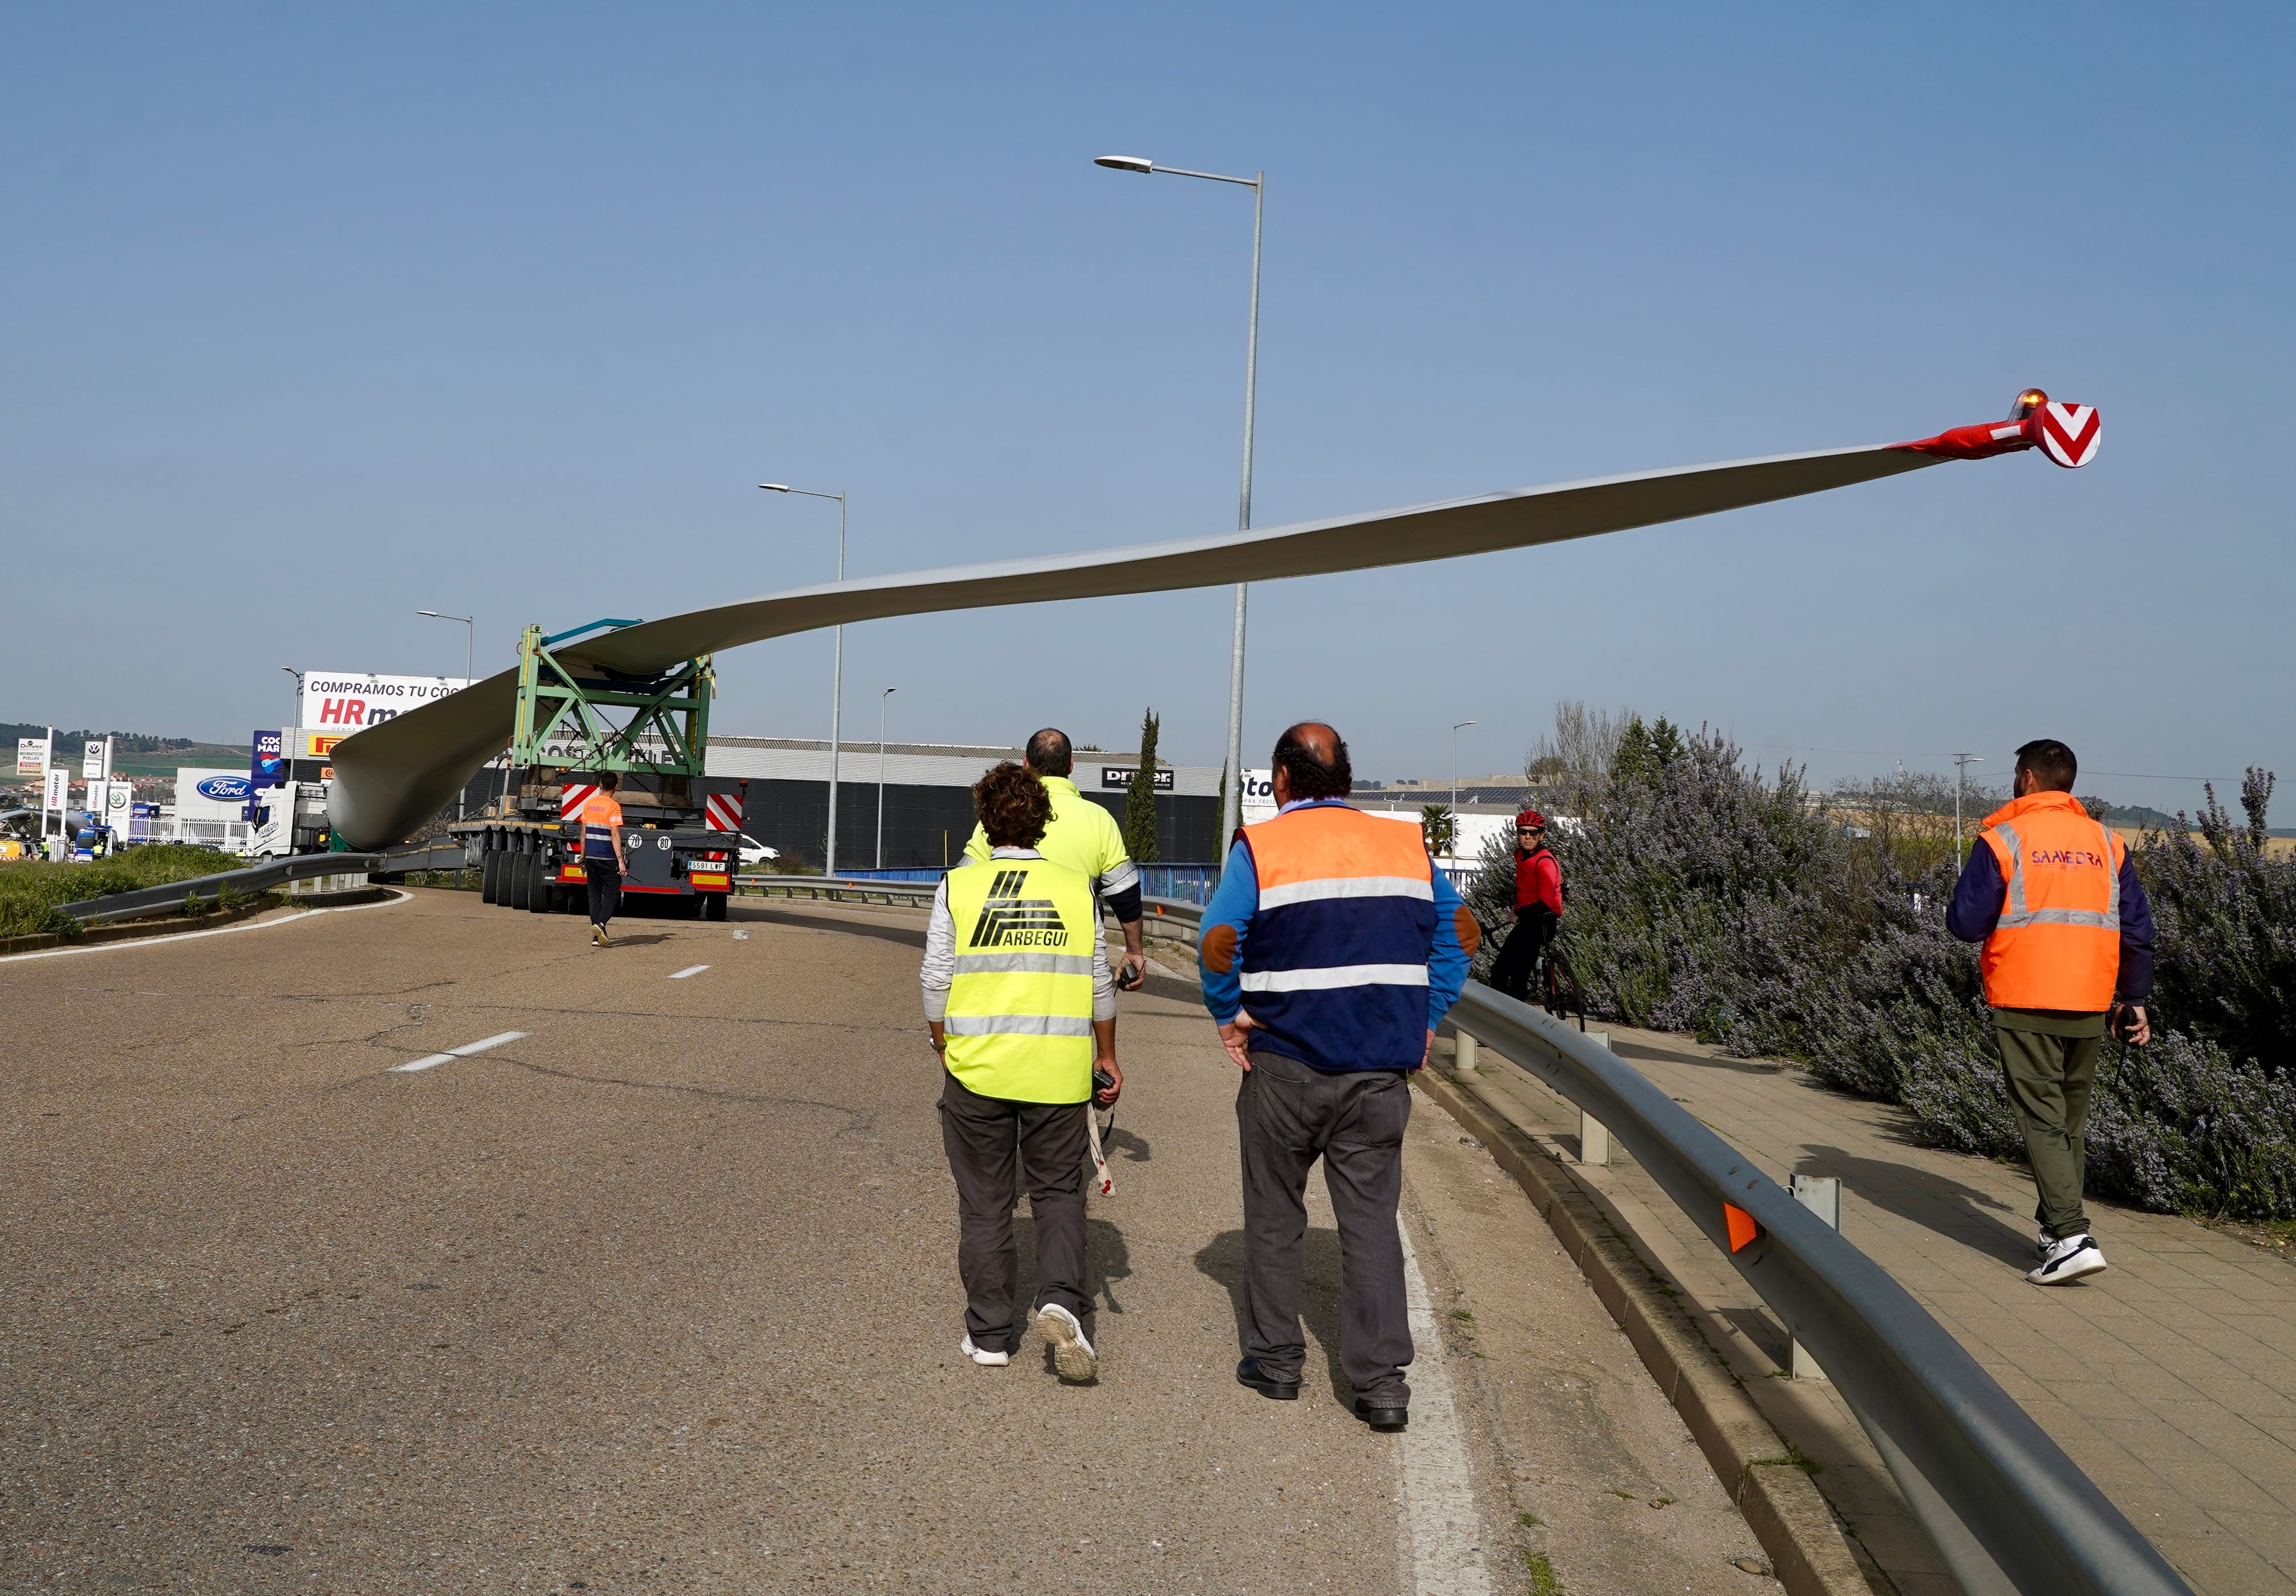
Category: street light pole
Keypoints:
(1961, 763)
(1231, 808)
(882, 699)
(836, 671)
(1455, 787)
(470, 648)
(296, 719)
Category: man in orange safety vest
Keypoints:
(2068, 938)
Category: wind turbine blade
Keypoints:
(391, 778)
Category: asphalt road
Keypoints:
(661, 1294)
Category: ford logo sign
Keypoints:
(226, 789)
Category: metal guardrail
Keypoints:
(2007, 1509)
(1164, 916)
(261, 878)
(255, 878)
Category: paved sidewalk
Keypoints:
(2171, 1379)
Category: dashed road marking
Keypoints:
(691, 970)
(1439, 1496)
(463, 1052)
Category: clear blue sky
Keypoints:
(311, 317)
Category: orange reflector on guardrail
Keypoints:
(1743, 1228)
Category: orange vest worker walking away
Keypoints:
(2068, 939)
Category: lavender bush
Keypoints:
(1705, 898)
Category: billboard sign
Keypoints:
(95, 760)
(224, 789)
(337, 703)
(266, 766)
(58, 791)
(1115, 777)
(119, 806)
(31, 755)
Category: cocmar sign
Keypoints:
(337, 703)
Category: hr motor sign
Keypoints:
(339, 702)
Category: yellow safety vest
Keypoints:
(1081, 834)
(1019, 1005)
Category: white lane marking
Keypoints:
(1438, 1495)
(691, 970)
(392, 902)
(463, 1052)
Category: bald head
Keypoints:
(1311, 761)
(1049, 753)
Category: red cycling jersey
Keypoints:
(1537, 880)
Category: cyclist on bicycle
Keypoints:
(1538, 907)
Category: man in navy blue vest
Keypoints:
(1330, 952)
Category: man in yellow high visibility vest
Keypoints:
(1083, 836)
(1023, 1010)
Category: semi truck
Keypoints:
(575, 720)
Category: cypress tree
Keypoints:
(1140, 798)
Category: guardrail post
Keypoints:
(1594, 1135)
(1465, 1046)
(1821, 1194)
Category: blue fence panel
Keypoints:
(1188, 883)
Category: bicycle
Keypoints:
(1554, 982)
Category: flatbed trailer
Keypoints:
(682, 846)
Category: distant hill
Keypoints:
(132, 753)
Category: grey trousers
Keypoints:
(2049, 1080)
(1288, 1115)
(982, 1136)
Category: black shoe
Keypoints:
(1281, 1391)
(1384, 1419)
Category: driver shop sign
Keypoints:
(340, 702)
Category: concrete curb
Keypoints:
(167, 925)
(1781, 1504)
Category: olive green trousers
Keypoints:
(2049, 1080)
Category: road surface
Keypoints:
(660, 1293)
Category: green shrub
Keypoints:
(33, 892)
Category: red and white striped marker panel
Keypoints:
(572, 796)
(723, 811)
(2071, 432)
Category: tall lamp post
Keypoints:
(297, 718)
(1961, 763)
(882, 699)
(1231, 809)
(836, 673)
(470, 647)
(1455, 726)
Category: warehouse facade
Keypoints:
(928, 797)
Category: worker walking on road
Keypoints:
(2068, 938)
(599, 817)
(1083, 836)
(1330, 952)
(1538, 906)
(1022, 1009)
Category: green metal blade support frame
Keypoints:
(676, 716)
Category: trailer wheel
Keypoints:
(522, 883)
(544, 900)
(713, 906)
(490, 861)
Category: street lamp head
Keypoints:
(775, 487)
(1125, 163)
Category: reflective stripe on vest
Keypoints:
(1334, 963)
(2057, 943)
(1019, 1024)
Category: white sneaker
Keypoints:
(2066, 1261)
(1072, 1354)
(984, 1357)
